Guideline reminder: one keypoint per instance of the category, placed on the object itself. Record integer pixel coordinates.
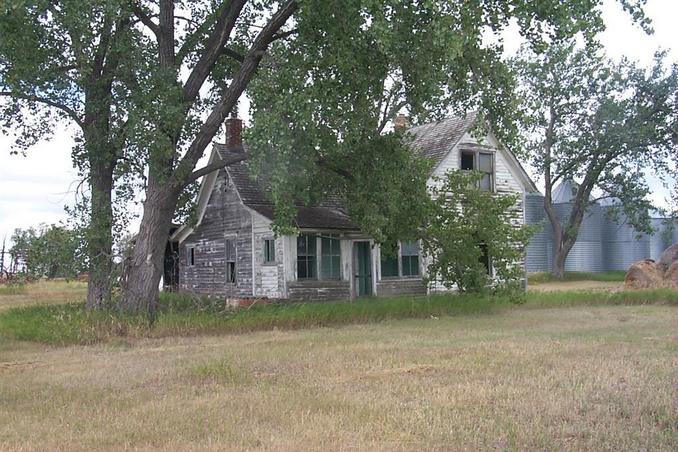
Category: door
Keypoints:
(362, 265)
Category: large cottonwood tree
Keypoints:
(603, 124)
(60, 63)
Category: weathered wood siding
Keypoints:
(269, 277)
(225, 216)
(322, 290)
(505, 179)
(389, 287)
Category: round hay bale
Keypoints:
(668, 257)
(643, 274)
(671, 275)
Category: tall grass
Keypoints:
(182, 315)
(609, 276)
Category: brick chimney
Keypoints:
(233, 132)
(401, 123)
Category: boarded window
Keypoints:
(410, 258)
(306, 257)
(269, 250)
(231, 273)
(191, 256)
(389, 260)
(330, 257)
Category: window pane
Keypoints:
(410, 248)
(330, 263)
(269, 250)
(485, 163)
(306, 256)
(410, 265)
(467, 161)
(230, 250)
(389, 267)
(486, 182)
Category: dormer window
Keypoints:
(482, 162)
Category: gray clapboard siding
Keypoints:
(225, 216)
(323, 290)
(389, 287)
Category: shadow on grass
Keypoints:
(183, 315)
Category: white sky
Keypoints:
(35, 188)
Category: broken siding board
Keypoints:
(225, 216)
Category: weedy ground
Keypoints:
(560, 371)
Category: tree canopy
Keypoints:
(603, 124)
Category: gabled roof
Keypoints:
(328, 215)
(434, 141)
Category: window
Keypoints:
(389, 260)
(330, 257)
(485, 257)
(191, 256)
(482, 162)
(230, 261)
(306, 257)
(269, 251)
(410, 258)
(400, 262)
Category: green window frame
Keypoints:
(330, 256)
(269, 251)
(409, 252)
(306, 257)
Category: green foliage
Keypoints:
(322, 99)
(606, 124)
(50, 251)
(468, 226)
(189, 316)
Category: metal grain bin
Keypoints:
(539, 249)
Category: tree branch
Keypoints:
(215, 44)
(31, 98)
(205, 170)
(144, 17)
(284, 34)
(234, 91)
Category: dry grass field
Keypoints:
(577, 378)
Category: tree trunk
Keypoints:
(99, 235)
(142, 273)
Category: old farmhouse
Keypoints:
(231, 250)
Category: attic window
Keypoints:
(482, 162)
(467, 161)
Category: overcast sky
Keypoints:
(35, 188)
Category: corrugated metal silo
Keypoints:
(587, 253)
(622, 243)
(540, 246)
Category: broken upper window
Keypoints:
(231, 275)
(191, 256)
(482, 162)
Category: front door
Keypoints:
(362, 264)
